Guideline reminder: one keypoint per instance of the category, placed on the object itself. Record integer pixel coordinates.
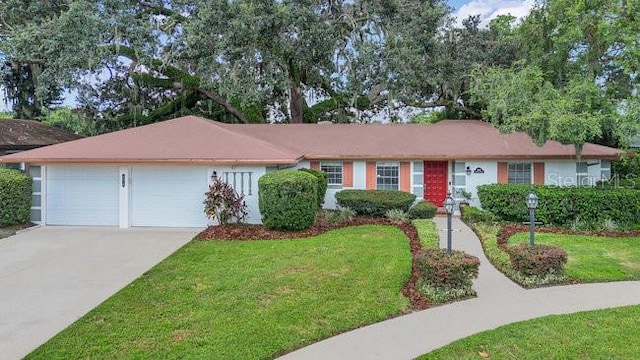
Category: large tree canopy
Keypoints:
(568, 71)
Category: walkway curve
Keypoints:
(499, 302)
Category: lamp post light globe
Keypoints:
(532, 201)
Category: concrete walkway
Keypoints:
(51, 276)
(499, 302)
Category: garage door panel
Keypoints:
(78, 195)
(168, 196)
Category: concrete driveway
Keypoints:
(51, 276)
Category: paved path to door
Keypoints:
(499, 302)
(51, 276)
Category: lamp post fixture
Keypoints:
(532, 203)
(449, 204)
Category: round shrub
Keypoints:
(447, 270)
(374, 202)
(15, 197)
(423, 210)
(288, 199)
(323, 182)
(537, 259)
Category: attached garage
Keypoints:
(168, 196)
(82, 195)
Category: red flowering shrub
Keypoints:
(447, 270)
(537, 259)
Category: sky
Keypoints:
(490, 9)
(487, 9)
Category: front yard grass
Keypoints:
(584, 335)
(593, 258)
(246, 299)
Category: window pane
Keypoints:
(582, 168)
(35, 171)
(36, 215)
(418, 192)
(333, 171)
(35, 200)
(460, 180)
(387, 176)
(36, 186)
(417, 179)
(459, 167)
(519, 173)
(604, 164)
(418, 166)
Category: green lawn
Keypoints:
(246, 299)
(602, 334)
(593, 258)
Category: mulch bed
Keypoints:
(11, 230)
(508, 230)
(245, 232)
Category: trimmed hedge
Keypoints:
(323, 183)
(374, 202)
(561, 205)
(443, 270)
(15, 197)
(537, 259)
(423, 210)
(288, 199)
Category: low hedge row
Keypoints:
(15, 197)
(288, 199)
(447, 270)
(374, 202)
(561, 205)
(538, 259)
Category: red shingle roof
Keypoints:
(195, 140)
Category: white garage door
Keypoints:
(82, 195)
(168, 196)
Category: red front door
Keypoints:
(435, 181)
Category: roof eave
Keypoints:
(229, 162)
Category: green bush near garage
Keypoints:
(323, 183)
(15, 197)
(288, 199)
(374, 202)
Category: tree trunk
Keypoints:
(296, 103)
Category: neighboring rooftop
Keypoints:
(18, 134)
(192, 139)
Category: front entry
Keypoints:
(435, 181)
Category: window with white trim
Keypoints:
(387, 175)
(520, 173)
(333, 171)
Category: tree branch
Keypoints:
(225, 104)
